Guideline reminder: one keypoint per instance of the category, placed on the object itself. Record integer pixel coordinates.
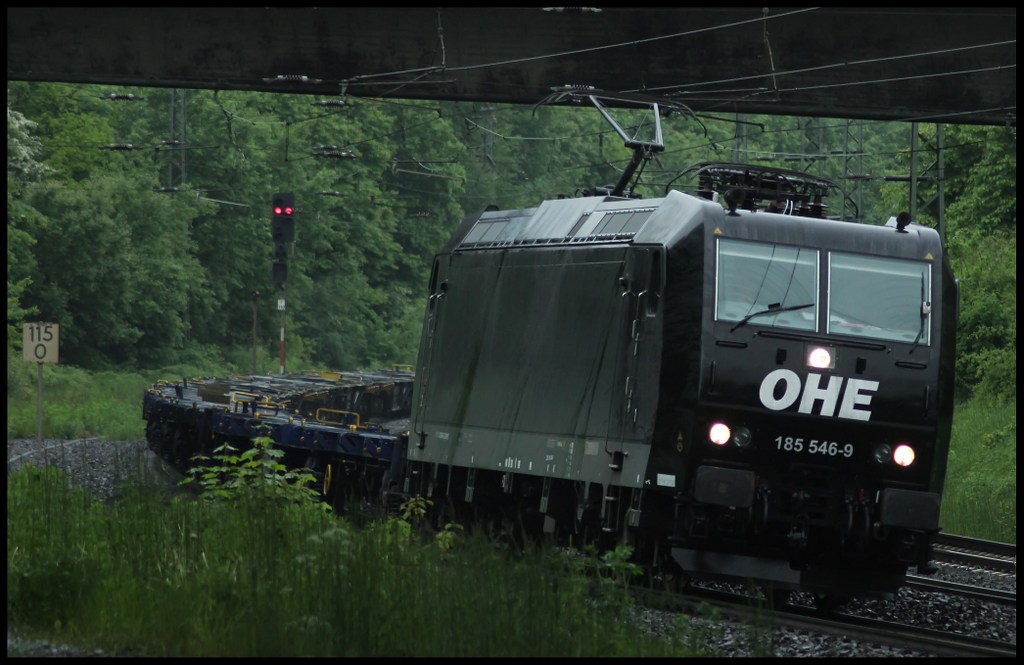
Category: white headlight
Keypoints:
(719, 434)
(903, 455)
(820, 357)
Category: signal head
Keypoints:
(283, 203)
(282, 224)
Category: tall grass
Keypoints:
(77, 404)
(257, 576)
(980, 498)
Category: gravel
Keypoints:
(944, 612)
(97, 464)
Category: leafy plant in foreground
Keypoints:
(254, 473)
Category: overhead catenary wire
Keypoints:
(750, 94)
(835, 65)
(635, 42)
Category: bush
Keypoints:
(21, 376)
(256, 473)
(986, 358)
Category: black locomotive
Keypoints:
(756, 391)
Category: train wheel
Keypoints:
(333, 487)
(586, 520)
(328, 479)
(668, 576)
(775, 596)
(181, 450)
(165, 443)
(153, 433)
(827, 603)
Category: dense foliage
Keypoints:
(142, 226)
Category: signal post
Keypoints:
(282, 233)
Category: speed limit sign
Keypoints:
(41, 342)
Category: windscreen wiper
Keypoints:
(774, 308)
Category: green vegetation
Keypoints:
(255, 567)
(980, 499)
(78, 403)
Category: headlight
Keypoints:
(741, 439)
(820, 357)
(903, 455)
(882, 453)
(719, 434)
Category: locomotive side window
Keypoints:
(753, 279)
(881, 298)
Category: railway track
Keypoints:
(994, 559)
(1001, 596)
(930, 640)
(740, 606)
(904, 622)
(976, 553)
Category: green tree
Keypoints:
(980, 230)
(981, 215)
(23, 168)
(111, 265)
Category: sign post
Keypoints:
(280, 308)
(40, 345)
(255, 298)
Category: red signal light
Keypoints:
(282, 223)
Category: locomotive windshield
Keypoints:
(756, 278)
(877, 297)
(867, 296)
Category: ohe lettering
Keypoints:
(817, 398)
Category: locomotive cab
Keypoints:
(822, 402)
